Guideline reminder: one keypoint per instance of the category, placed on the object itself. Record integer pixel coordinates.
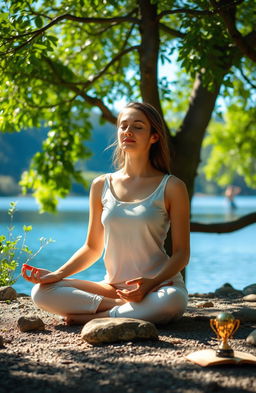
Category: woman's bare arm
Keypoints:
(85, 256)
(177, 203)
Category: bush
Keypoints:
(14, 250)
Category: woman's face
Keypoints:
(134, 131)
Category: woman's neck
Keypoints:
(138, 167)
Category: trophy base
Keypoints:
(225, 353)
(209, 357)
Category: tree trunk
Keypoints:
(188, 140)
(148, 52)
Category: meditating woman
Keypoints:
(131, 211)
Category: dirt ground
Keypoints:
(57, 360)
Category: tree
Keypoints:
(60, 59)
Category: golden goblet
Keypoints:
(225, 325)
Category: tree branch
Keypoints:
(188, 11)
(58, 19)
(247, 79)
(128, 35)
(88, 83)
(228, 16)
(99, 32)
(116, 58)
(105, 111)
(93, 101)
(191, 11)
(172, 32)
(33, 12)
(52, 105)
(224, 227)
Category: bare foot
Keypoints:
(78, 319)
(81, 319)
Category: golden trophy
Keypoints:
(225, 325)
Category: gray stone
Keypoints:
(245, 314)
(7, 293)
(107, 330)
(250, 298)
(251, 339)
(250, 289)
(26, 324)
(227, 290)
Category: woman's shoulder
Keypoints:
(175, 186)
(99, 180)
(98, 184)
(176, 194)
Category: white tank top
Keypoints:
(135, 233)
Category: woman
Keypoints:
(130, 214)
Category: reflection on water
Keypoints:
(215, 259)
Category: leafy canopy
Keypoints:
(61, 58)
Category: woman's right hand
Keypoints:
(39, 276)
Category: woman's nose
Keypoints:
(128, 131)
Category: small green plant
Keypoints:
(14, 250)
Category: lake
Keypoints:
(215, 259)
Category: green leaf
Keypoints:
(40, 46)
(39, 21)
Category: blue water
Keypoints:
(215, 259)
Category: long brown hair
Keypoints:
(159, 154)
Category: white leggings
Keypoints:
(166, 304)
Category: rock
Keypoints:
(106, 330)
(26, 324)
(1, 342)
(251, 339)
(7, 293)
(205, 305)
(245, 314)
(22, 295)
(209, 295)
(250, 298)
(228, 291)
(250, 289)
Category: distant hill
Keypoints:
(17, 149)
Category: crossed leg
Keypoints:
(80, 301)
(70, 297)
(161, 306)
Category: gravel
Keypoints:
(58, 360)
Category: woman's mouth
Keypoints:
(129, 140)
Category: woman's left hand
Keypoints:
(144, 285)
(39, 276)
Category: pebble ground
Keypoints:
(57, 360)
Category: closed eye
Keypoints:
(123, 127)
